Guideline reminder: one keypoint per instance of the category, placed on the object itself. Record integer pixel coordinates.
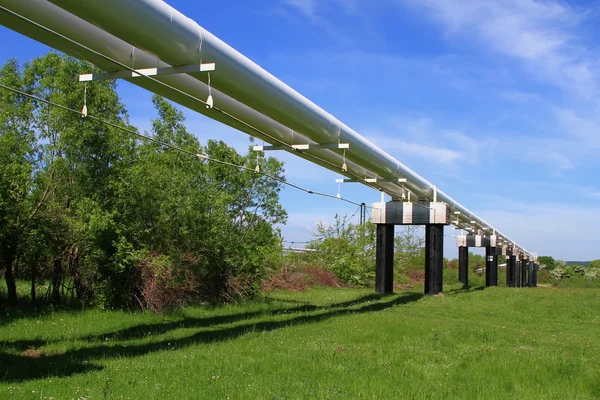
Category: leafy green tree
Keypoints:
(83, 160)
(17, 163)
(594, 264)
(476, 261)
(214, 219)
(88, 207)
(348, 250)
(547, 262)
(409, 249)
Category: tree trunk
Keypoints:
(56, 280)
(34, 270)
(9, 277)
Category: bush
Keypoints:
(163, 286)
(347, 250)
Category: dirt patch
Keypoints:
(32, 352)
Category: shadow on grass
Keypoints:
(464, 289)
(145, 330)
(26, 366)
(25, 309)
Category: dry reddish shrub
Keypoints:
(164, 287)
(298, 279)
(238, 288)
(416, 275)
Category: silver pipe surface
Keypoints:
(68, 25)
(160, 30)
(165, 32)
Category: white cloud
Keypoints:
(563, 231)
(518, 96)
(419, 137)
(541, 34)
(402, 148)
(312, 8)
(586, 130)
(306, 7)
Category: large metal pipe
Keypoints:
(165, 32)
(84, 33)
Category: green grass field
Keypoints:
(323, 343)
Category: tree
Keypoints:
(476, 262)
(348, 250)
(594, 264)
(547, 262)
(409, 248)
(17, 159)
(82, 162)
(88, 207)
(214, 219)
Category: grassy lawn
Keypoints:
(323, 343)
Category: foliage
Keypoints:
(409, 249)
(575, 275)
(103, 217)
(546, 262)
(594, 264)
(347, 249)
(18, 150)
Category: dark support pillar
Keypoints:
(518, 273)
(536, 267)
(530, 274)
(491, 267)
(463, 265)
(524, 270)
(495, 269)
(434, 259)
(511, 270)
(508, 270)
(384, 255)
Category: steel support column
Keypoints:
(530, 274)
(434, 258)
(495, 269)
(491, 267)
(463, 265)
(508, 270)
(517, 275)
(524, 269)
(511, 270)
(384, 259)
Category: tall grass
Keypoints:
(577, 281)
(322, 343)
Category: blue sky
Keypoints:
(495, 101)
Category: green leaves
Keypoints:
(87, 203)
(347, 249)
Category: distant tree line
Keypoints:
(562, 273)
(90, 213)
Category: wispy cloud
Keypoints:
(584, 129)
(403, 148)
(542, 35)
(419, 138)
(306, 7)
(563, 231)
(312, 9)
